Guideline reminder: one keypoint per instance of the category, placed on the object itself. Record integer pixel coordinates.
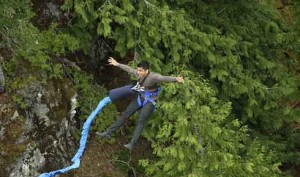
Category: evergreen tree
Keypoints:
(192, 137)
(237, 46)
(239, 118)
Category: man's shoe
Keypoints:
(104, 135)
(129, 146)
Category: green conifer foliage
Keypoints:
(152, 29)
(26, 42)
(13, 15)
(192, 136)
(235, 44)
(248, 71)
(236, 119)
(238, 46)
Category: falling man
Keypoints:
(147, 89)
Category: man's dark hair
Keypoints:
(144, 64)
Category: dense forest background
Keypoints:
(237, 114)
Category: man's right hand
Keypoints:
(112, 61)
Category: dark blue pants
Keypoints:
(146, 111)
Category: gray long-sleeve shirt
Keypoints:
(153, 79)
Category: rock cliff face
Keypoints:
(2, 79)
(36, 137)
(36, 123)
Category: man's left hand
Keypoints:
(180, 79)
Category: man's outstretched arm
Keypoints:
(161, 78)
(112, 61)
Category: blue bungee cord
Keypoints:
(83, 140)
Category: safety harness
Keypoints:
(143, 95)
(147, 97)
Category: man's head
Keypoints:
(143, 68)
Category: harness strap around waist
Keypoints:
(147, 98)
